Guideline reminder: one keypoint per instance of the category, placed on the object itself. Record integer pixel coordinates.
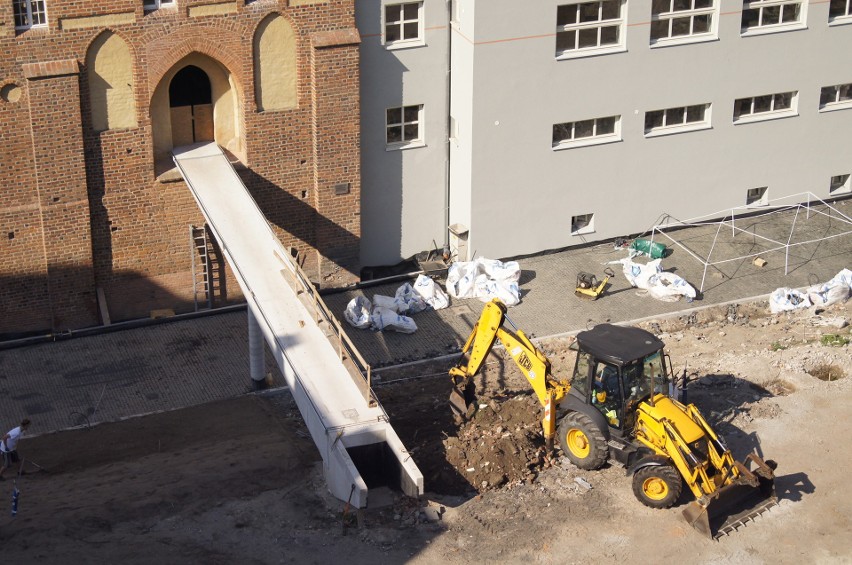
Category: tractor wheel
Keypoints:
(657, 486)
(582, 442)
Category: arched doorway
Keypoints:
(191, 106)
(197, 99)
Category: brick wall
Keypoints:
(84, 210)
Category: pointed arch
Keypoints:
(194, 115)
(109, 73)
(275, 64)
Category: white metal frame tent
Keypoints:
(802, 201)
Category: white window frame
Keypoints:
(840, 184)
(152, 5)
(578, 27)
(676, 13)
(839, 103)
(405, 143)
(772, 113)
(596, 138)
(757, 196)
(401, 43)
(26, 12)
(838, 19)
(672, 123)
(765, 8)
(582, 224)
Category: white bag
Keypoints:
(357, 312)
(670, 287)
(485, 279)
(784, 299)
(431, 293)
(661, 285)
(382, 301)
(637, 274)
(834, 291)
(408, 301)
(387, 319)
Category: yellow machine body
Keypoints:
(665, 435)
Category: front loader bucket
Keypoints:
(734, 504)
(462, 402)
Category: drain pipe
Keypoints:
(115, 327)
(449, 124)
(257, 362)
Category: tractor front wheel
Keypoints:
(657, 486)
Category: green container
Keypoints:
(652, 249)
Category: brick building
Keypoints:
(95, 220)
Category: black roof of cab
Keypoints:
(618, 345)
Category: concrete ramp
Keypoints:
(359, 448)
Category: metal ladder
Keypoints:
(202, 270)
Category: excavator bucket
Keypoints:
(734, 504)
(462, 401)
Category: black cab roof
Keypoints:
(618, 345)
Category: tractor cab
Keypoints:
(616, 369)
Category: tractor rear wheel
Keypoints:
(657, 486)
(582, 441)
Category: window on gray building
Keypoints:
(681, 19)
(589, 28)
(839, 9)
(403, 126)
(839, 184)
(835, 97)
(582, 223)
(587, 132)
(765, 107)
(29, 13)
(772, 15)
(675, 120)
(757, 196)
(403, 24)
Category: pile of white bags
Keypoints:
(392, 313)
(836, 290)
(485, 279)
(662, 285)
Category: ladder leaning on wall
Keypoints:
(202, 270)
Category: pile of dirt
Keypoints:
(501, 444)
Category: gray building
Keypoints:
(575, 122)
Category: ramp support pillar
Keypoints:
(257, 362)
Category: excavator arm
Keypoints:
(530, 360)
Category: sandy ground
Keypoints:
(240, 481)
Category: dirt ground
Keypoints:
(240, 480)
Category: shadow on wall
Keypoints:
(305, 225)
(382, 170)
(35, 307)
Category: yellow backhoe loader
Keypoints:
(623, 404)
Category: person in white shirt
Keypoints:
(9, 444)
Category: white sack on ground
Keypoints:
(386, 319)
(431, 293)
(357, 312)
(485, 279)
(834, 291)
(382, 301)
(661, 285)
(670, 287)
(408, 301)
(783, 299)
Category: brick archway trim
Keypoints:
(163, 59)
